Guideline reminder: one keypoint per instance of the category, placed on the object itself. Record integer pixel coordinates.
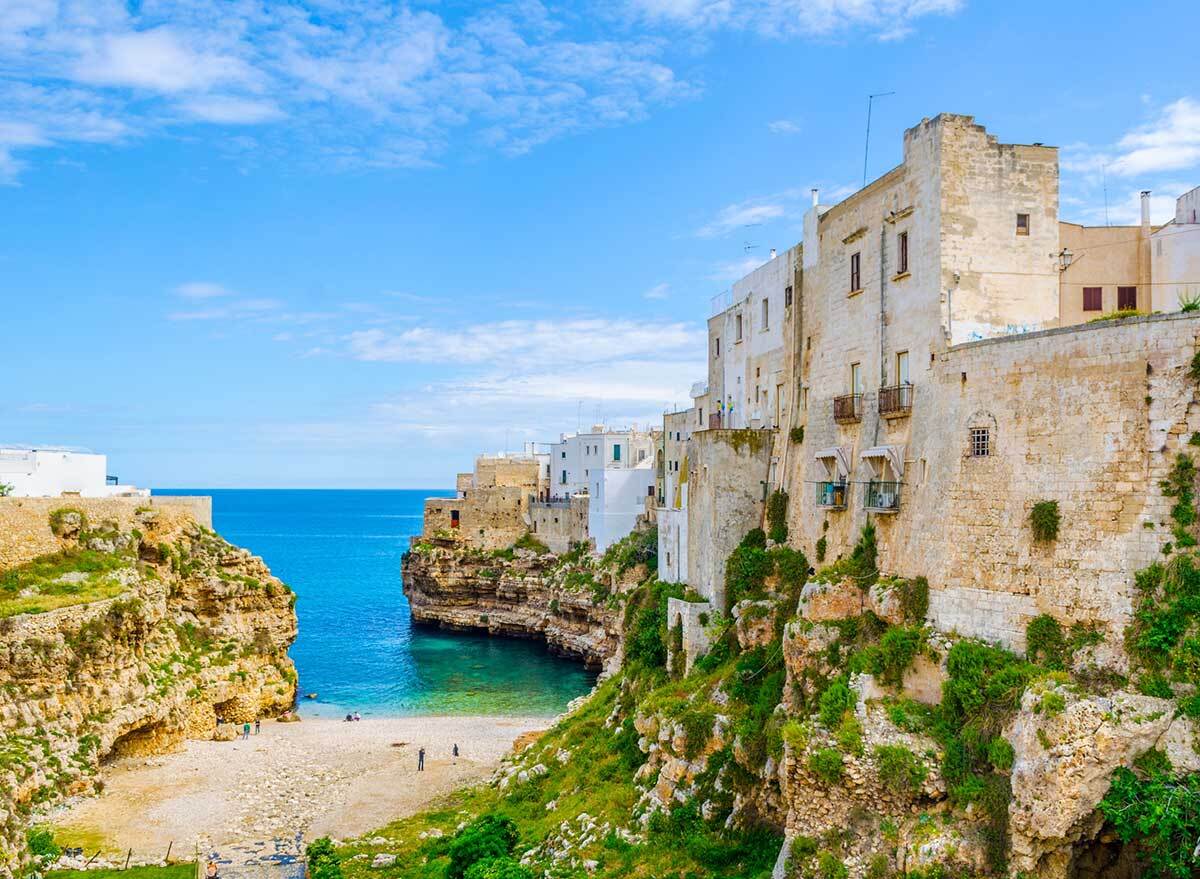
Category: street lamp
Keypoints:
(1064, 259)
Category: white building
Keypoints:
(1175, 256)
(747, 385)
(615, 468)
(57, 472)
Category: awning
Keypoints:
(894, 455)
(839, 457)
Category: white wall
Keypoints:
(673, 542)
(1175, 264)
(618, 498)
(47, 473)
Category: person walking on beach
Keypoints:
(421, 760)
(257, 725)
(245, 730)
(454, 753)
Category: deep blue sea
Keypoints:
(357, 649)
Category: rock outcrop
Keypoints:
(197, 631)
(569, 603)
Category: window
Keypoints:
(700, 416)
(454, 519)
(564, 454)
(737, 336)
(766, 314)
(787, 293)
(716, 347)
(902, 246)
(1092, 299)
(981, 442)
(856, 378)
(902, 368)
(855, 272)
(564, 478)
(1022, 224)
(617, 452)
(1126, 298)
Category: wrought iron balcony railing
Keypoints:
(895, 401)
(831, 495)
(847, 408)
(882, 497)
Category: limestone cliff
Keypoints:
(570, 602)
(188, 629)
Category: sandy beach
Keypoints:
(322, 776)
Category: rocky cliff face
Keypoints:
(570, 602)
(195, 630)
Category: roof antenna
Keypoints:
(867, 147)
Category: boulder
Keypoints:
(822, 601)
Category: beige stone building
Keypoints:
(491, 507)
(945, 380)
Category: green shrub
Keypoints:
(1001, 754)
(822, 545)
(826, 764)
(323, 862)
(830, 866)
(892, 656)
(41, 843)
(777, 507)
(835, 702)
(899, 769)
(746, 570)
(1160, 816)
(678, 657)
(486, 838)
(791, 565)
(528, 541)
(646, 623)
(1044, 520)
(914, 599)
(1044, 642)
(498, 868)
(755, 538)
(636, 548)
(796, 435)
(849, 735)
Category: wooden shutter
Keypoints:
(1126, 298)
(1092, 299)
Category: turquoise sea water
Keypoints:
(357, 649)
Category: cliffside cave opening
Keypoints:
(155, 737)
(1105, 857)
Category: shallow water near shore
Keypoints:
(358, 649)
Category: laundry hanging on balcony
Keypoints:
(839, 458)
(893, 456)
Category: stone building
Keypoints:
(944, 382)
(491, 507)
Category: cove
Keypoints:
(357, 648)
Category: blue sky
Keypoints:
(351, 243)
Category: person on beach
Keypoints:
(211, 870)
(421, 760)
(257, 725)
(357, 716)
(455, 751)
(245, 730)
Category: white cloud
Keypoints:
(783, 126)
(202, 290)
(231, 111)
(744, 213)
(726, 272)
(1169, 143)
(155, 60)
(890, 19)
(658, 291)
(232, 309)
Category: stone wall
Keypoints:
(727, 473)
(25, 522)
(560, 524)
(1091, 417)
(488, 518)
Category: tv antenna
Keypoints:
(867, 147)
(747, 246)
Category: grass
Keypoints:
(173, 871)
(43, 576)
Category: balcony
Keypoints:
(882, 497)
(847, 409)
(896, 401)
(714, 421)
(831, 495)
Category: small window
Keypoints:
(1127, 298)
(787, 293)
(700, 416)
(902, 246)
(564, 454)
(564, 478)
(855, 272)
(717, 347)
(902, 368)
(981, 442)
(1022, 224)
(1093, 299)
(454, 519)
(856, 378)
(737, 335)
(617, 452)
(766, 314)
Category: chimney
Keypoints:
(816, 196)
(772, 253)
(1146, 209)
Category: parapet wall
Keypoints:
(560, 524)
(1091, 417)
(25, 521)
